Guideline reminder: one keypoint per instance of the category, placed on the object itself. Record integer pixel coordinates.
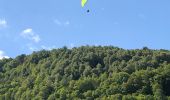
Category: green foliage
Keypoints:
(87, 72)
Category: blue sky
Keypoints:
(31, 25)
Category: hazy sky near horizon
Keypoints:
(31, 25)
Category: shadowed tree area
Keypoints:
(166, 86)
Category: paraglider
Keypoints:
(83, 3)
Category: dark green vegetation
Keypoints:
(87, 73)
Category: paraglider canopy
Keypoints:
(83, 2)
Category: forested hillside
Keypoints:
(87, 72)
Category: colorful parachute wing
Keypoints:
(83, 2)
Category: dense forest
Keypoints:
(87, 72)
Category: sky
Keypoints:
(32, 25)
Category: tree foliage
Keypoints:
(87, 72)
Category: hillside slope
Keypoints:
(87, 72)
